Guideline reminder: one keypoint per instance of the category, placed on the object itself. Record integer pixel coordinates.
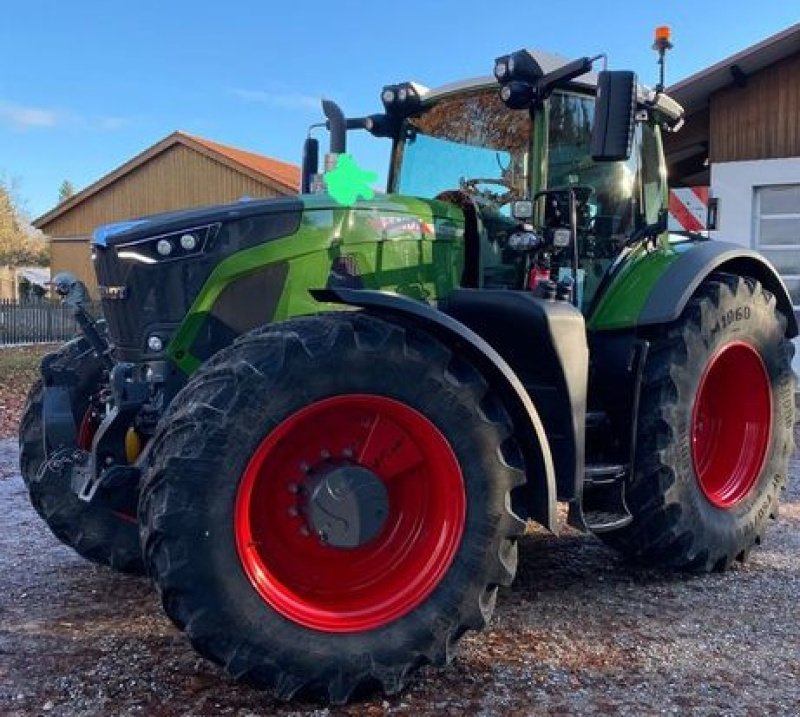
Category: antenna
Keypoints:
(663, 42)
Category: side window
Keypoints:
(654, 176)
(614, 200)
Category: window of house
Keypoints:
(778, 232)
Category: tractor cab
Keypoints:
(545, 195)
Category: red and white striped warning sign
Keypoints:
(688, 209)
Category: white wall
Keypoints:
(733, 183)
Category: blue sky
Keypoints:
(85, 85)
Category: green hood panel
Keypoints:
(395, 203)
(406, 245)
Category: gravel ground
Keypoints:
(578, 633)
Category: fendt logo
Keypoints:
(113, 293)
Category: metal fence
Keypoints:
(35, 322)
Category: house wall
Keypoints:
(73, 254)
(178, 178)
(760, 119)
(735, 184)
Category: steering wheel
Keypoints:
(470, 186)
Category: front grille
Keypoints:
(154, 298)
(143, 298)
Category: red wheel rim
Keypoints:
(347, 590)
(731, 424)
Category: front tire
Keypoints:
(94, 532)
(246, 566)
(714, 432)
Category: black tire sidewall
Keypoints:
(417, 381)
(94, 531)
(752, 320)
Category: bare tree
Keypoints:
(18, 242)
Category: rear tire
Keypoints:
(714, 433)
(227, 460)
(94, 532)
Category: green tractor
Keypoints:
(321, 428)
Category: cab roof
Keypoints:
(549, 62)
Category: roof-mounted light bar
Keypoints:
(403, 98)
(519, 65)
(525, 84)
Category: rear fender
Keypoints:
(678, 283)
(528, 426)
(652, 286)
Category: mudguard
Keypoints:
(673, 290)
(527, 423)
(58, 423)
(651, 285)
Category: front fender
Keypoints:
(528, 426)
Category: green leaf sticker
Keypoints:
(346, 182)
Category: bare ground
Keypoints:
(580, 632)
(19, 368)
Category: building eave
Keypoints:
(694, 91)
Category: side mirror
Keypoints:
(614, 116)
(310, 163)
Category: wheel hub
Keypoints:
(347, 506)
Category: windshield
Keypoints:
(470, 142)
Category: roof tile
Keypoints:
(283, 172)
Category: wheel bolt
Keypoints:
(324, 454)
(293, 488)
(304, 531)
(294, 512)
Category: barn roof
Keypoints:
(272, 172)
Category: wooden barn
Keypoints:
(740, 147)
(180, 171)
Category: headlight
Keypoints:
(519, 65)
(517, 95)
(168, 247)
(155, 343)
(188, 242)
(403, 99)
(164, 247)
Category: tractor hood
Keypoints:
(203, 276)
(156, 225)
(159, 224)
